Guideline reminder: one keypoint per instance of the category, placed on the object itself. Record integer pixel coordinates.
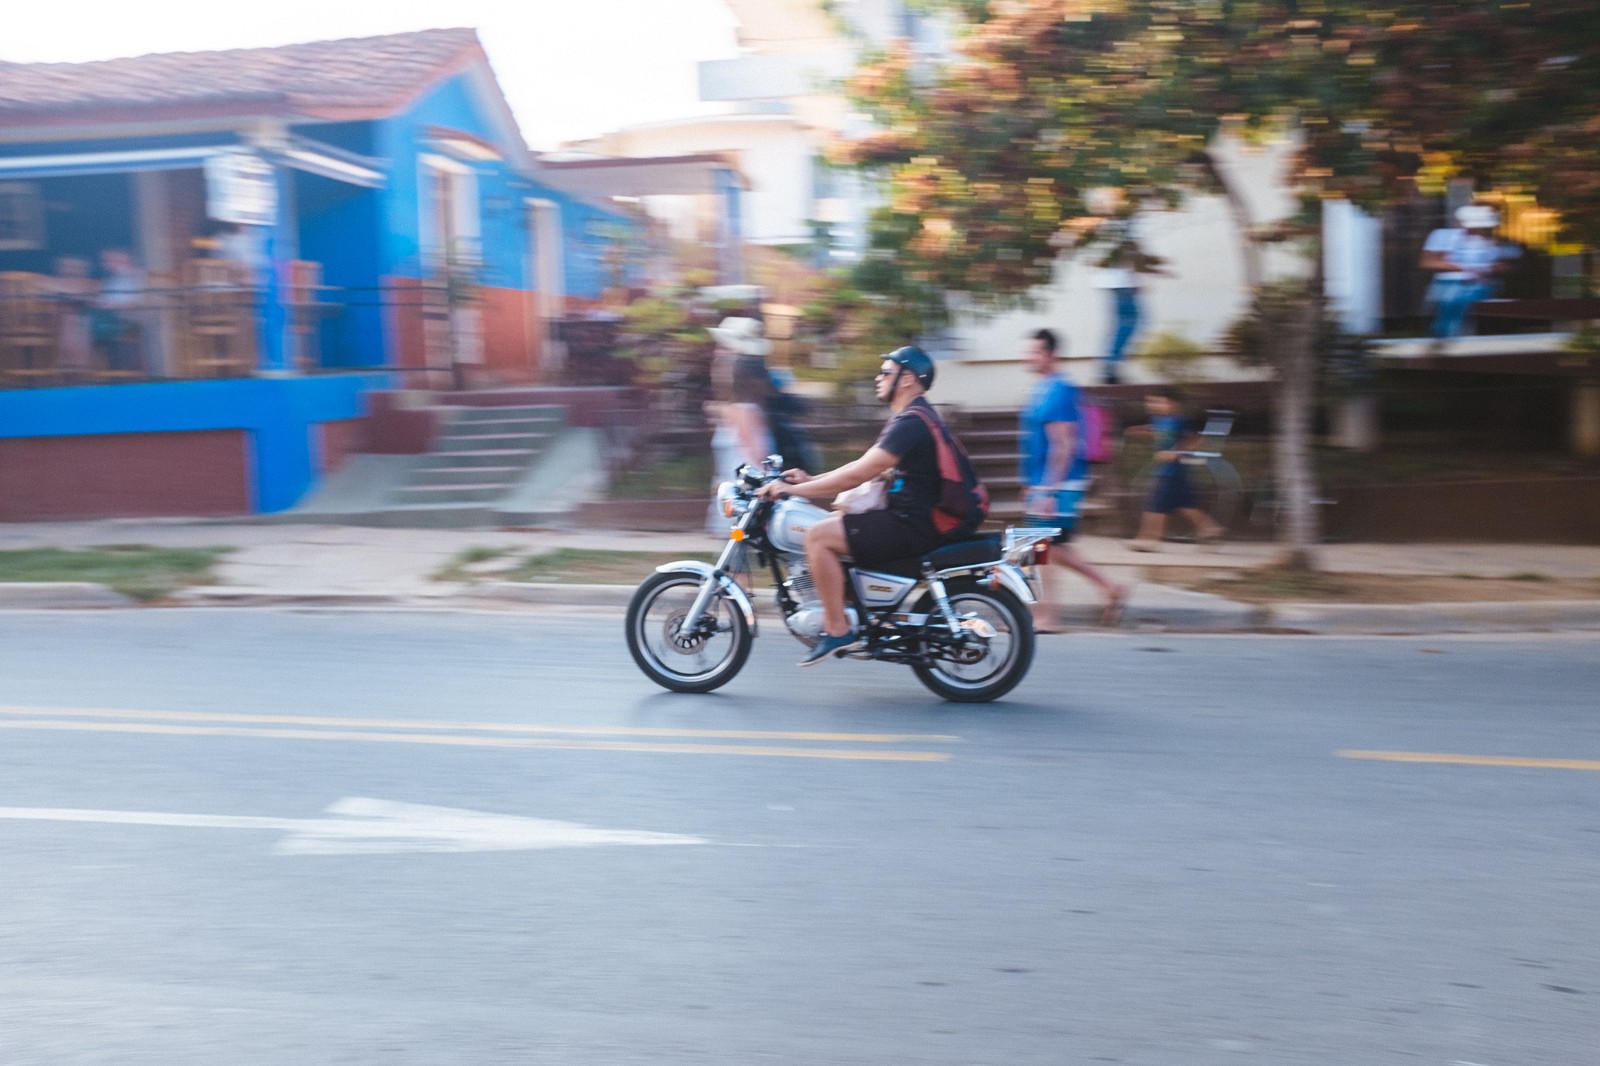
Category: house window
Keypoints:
(450, 214)
(21, 217)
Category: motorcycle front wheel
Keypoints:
(995, 661)
(673, 657)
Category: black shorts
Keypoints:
(878, 537)
(1066, 525)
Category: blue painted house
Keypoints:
(307, 224)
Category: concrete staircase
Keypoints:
(991, 438)
(481, 457)
(512, 465)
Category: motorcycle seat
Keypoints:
(969, 551)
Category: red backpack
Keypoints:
(963, 501)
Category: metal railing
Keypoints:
(55, 333)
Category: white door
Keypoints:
(547, 271)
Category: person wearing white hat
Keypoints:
(742, 336)
(1468, 261)
(740, 385)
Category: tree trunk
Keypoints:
(1294, 402)
(1294, 398)
(1249, 250)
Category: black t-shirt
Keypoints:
(914, 484)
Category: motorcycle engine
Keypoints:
(806, 621)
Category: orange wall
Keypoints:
(510, 355)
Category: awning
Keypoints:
(111, 162)
(301, 153)
(324, 160)
(682, 175)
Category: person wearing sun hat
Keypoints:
(742, 336)
(1468, 262)
(740, 385)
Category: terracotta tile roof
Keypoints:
(327, 79)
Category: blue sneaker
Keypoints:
(827, 647)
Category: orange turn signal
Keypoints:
(736, 534)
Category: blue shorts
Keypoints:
(1066, 516)
(1170, 491)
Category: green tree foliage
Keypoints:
(989, 156)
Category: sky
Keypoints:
(569, 68)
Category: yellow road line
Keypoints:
(496, 727)
(871, 755)
(1474, 760)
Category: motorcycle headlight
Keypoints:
(729, 502)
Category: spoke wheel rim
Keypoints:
(692, 657)
(1002, 650)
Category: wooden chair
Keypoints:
(30, 327)
(219, 320)
(304, 300)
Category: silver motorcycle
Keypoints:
(957, 616)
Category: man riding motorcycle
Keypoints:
(905, 527)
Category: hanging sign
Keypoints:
(242, 188)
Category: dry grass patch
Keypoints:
(1272, 585)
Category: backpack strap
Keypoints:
(963, 499)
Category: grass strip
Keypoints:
(143, 572)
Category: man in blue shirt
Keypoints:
(1055, 475)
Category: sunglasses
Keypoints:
(884, 373)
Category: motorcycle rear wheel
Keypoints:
(1006, 658)
(669, 657)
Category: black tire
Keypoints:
(980, 682)
(655, 617)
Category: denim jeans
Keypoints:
(1125, 307)
(1451, 300)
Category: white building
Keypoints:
(779, 109)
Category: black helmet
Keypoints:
(915, 360)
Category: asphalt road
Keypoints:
(223, 843)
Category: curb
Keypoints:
(239, 596)
(71, 595)
(549, 594)
(1179, 611)
(1382, 619)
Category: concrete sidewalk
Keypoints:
(353, 566)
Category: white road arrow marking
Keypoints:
(370, 826)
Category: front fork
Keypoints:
(697, 620)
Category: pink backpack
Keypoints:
(1099, 444)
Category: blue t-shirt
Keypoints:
(1054, 399)
(1167, 433)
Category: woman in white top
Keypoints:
(741, 382)
(742, 434)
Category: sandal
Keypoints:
(1111, 613)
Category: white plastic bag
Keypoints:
(868, 496)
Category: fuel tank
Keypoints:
(789, 522)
